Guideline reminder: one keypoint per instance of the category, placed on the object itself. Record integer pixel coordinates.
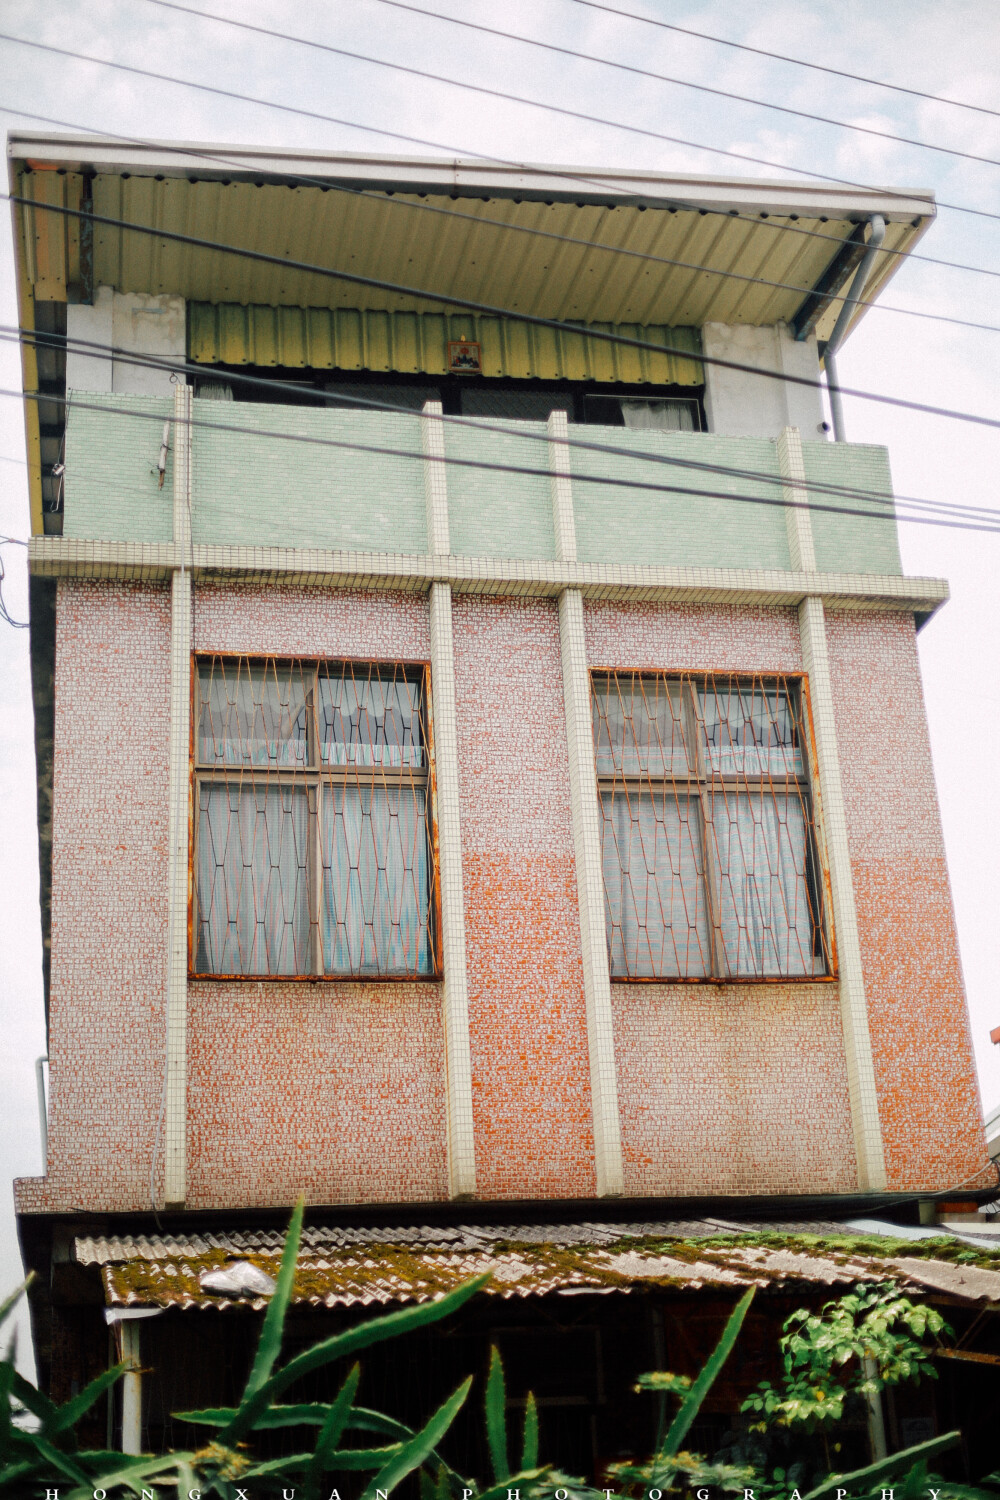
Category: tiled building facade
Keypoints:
(431, 939)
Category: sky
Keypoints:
(951, 51)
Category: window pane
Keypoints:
(637, 727)
(661, 415)
(750, 730)
(376, 887)
(252, 715)
(253, 913)
(766, 912)
(654, 885)
(370, 721)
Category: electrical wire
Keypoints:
(5, 614)
(590, 245)
(490, 309)
(798, 62)
(782, 226)
(97, 350)
(604, 62)
(524, 470)
(161, 77)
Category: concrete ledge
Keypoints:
(68, 557)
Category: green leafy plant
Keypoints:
(854, 1346)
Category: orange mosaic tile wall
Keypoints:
(337, 1089)
(723, 1088)
(530, 1065)
(924, 1069)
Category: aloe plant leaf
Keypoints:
(9, 1303)
(330, 1432)
(342, 1344)
(700, 1387)
(130, 1473)
(868, 1478)
(66, 1417)
(269, 1344)
(496, 1416)
(37, 1403)
(529, 1446)
(514, 1481)
(412, 1454)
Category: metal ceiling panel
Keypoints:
(416, 343)
(623, 270)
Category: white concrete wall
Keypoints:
(88, 371)
(743, 405)
(130, 322)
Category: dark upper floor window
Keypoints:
(709, 847)
(312, 843)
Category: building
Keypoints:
(483, 774)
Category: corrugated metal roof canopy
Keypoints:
(453, 228)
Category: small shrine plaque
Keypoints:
(464, 357)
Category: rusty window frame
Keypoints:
(317, 777)
(697, 783)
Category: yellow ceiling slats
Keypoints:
(51, 239)
(590, 263)
(416, 343)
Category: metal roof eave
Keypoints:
(470, 177)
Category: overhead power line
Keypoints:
(491, 309)
(604, 62)
(797, 62)
(452, 461)
(94, 349)
(161, 77)
(783, 226)
(481, 221)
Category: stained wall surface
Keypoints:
(924, 1069)
(337, 1089)
(109, 892)
(530, 1067)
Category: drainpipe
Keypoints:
(43, 1115)
(877, 225)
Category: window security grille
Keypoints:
(312, 841)
(708, 841)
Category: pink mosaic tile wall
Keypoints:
(924, 1070)
(530, 1065)
(732, 1089)
(335, 1091)
(109, 885)
(727, 1089)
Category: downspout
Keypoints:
(43, 1113)
(836, 338)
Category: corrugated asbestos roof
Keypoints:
(353, 339)
(372, 1266)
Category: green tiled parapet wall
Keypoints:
(252, 486)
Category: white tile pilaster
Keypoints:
(458, 1058)
(816, 660)
(586, 831)
(175, 1114)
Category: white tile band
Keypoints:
(832, 818)
(459, 1125)
(175, 1112)
(586, 833)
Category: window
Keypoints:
(708, 844)
(312, 848)
(651, 413)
